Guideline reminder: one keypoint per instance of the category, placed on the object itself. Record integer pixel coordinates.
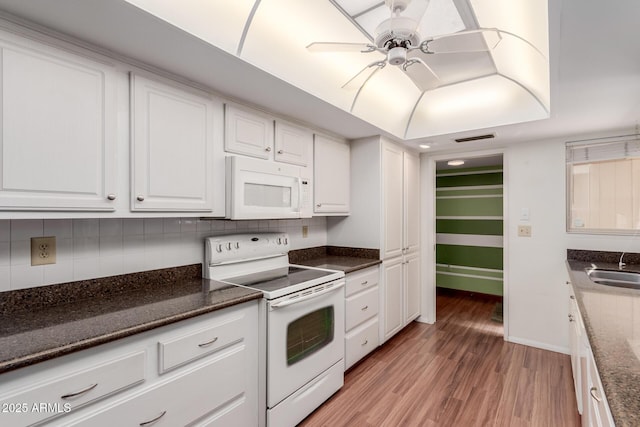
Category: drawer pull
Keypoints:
(364, 283)
(364, 308)
(365, 342)
(572, 297)
(78, 393)
(571, 318)
(146, 423)
(208, 343)
(592, 391)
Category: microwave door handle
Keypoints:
(308, 297)
(299, 195)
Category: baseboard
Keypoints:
(537, 344)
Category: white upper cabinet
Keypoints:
(58, 140)
(401, 192)
(292, 144)
(392, 172)
(332, 181)
(411, 203)
(172, 143)
(248, 132)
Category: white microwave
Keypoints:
(261, 189)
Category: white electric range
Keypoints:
(304, 319)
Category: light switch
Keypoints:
(524, 214)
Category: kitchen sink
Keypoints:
(622, 279)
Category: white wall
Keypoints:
(537, 294)
(92, 248)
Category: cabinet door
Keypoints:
(332, 166)
(172, 147)
(58, 138)
(247, 132)
(392, 300)
(392, 172)
(411, 195)
(412, 287)
(292, 144)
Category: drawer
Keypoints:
(360, 342)
(71, 390)
(360, 307)
(361, 280)
(211, 394)
(177, 351)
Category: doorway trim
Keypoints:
(428, 227)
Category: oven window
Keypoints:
(309, 334)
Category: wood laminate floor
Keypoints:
(458, 372)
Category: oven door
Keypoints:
(305, 338)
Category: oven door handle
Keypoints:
(308, 297)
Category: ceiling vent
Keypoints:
(475, 138)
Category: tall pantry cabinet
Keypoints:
(385, 215)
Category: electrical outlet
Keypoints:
(43, 250)
(524, 230)
(305, 231)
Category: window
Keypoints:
(603, 178)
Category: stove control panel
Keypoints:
(248, 246)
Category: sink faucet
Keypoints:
(620, 263)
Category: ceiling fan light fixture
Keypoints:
(397, 56)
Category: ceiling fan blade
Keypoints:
(364, 75)
(340, 47)
(482, 40)
(421, 74)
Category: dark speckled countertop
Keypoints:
(336, 258)
(612, 320)
(42, 323)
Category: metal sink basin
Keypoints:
(622, 279)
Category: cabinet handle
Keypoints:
(592, 391)
(146, 423)
(568, 282)
(319, 205)
(111, 196)
(364, 283)
(280, 152)
(78, 393)
(267, 149)
(208, 343)
(571, 318)
(364, 308)
(140, 198)
(365, 342)
(572, 297)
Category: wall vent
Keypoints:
(475, 138)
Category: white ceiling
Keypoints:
(594, 67)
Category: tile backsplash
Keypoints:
(92, 248)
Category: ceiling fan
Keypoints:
(399, 40)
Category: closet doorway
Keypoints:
(469, 237)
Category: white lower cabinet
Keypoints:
(590, 397)
(209, 378)
(400, 296)
(210, 394)
(361, 314)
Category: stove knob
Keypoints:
(219, 247)
(228, 246)
(279, 240)
(286, 241)
(237, 245)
